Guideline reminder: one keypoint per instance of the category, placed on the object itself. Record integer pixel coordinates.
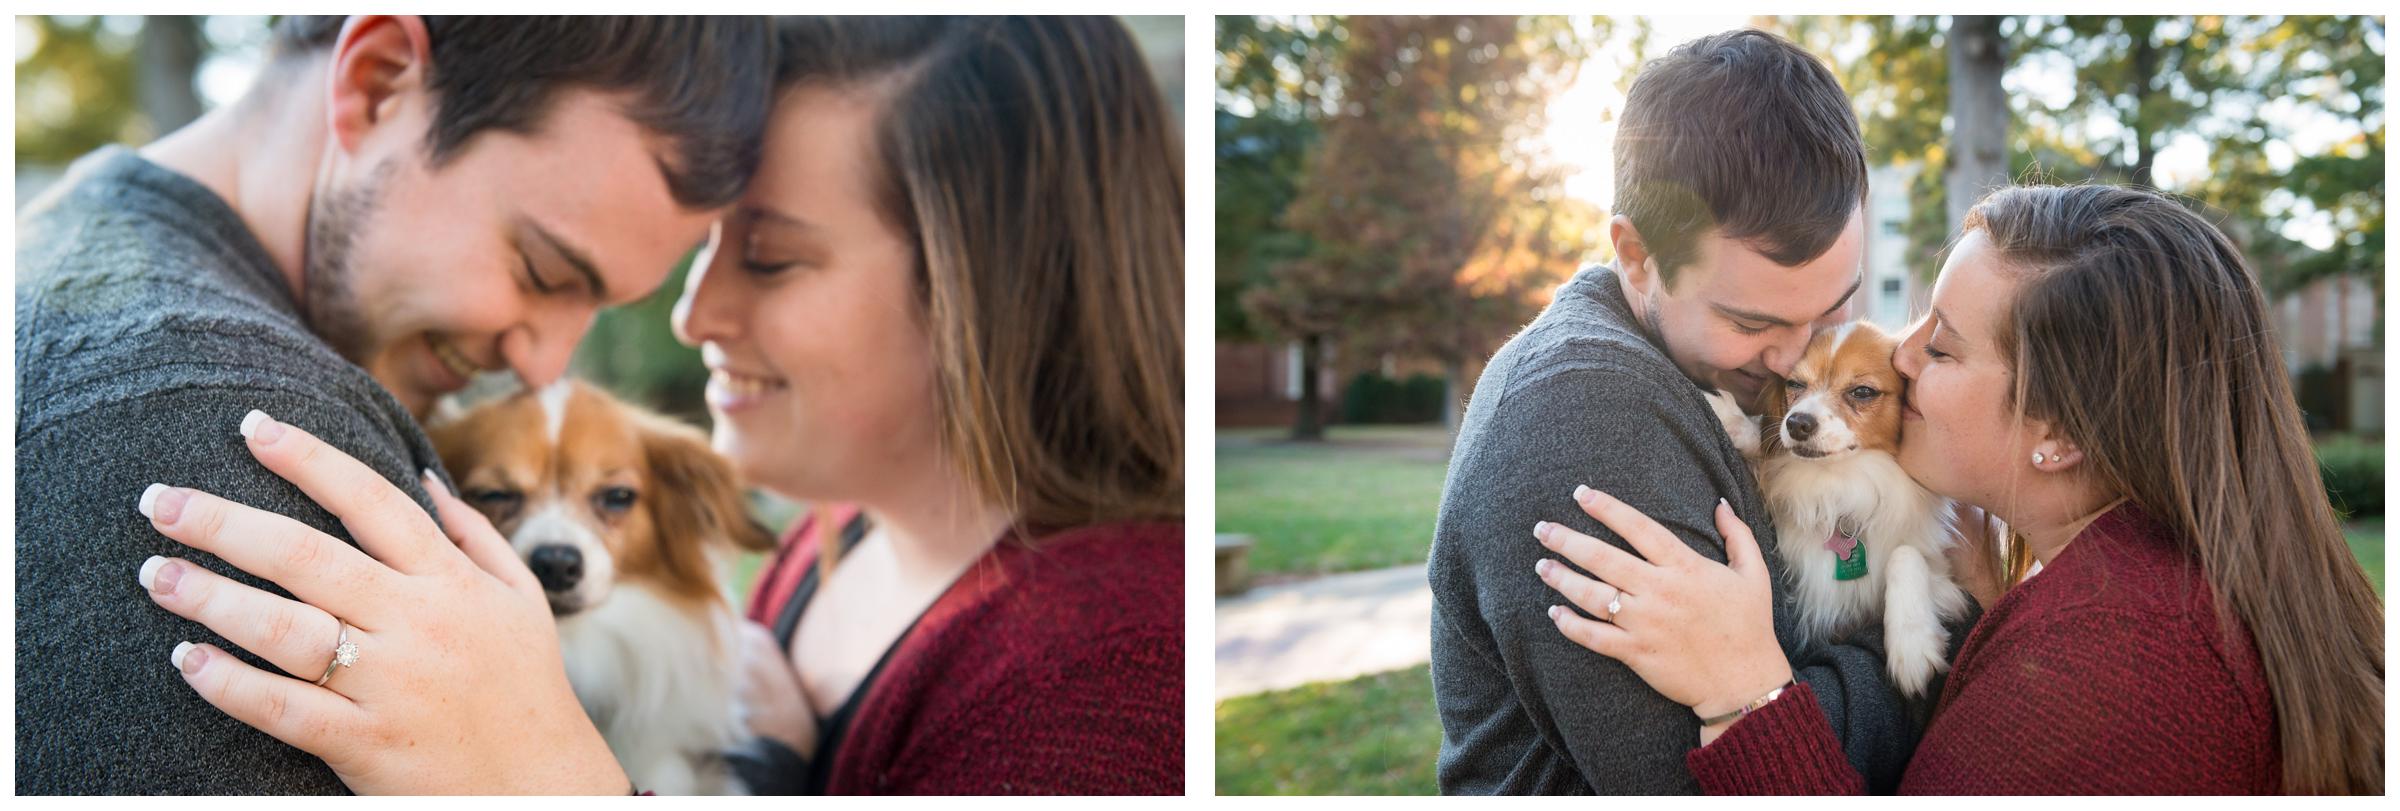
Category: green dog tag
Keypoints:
(1850, 556)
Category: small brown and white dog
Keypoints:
(622, 515)
(1860, 540)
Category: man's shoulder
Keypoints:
(1583, 336)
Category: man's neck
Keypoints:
(260, 155)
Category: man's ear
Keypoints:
(377, 61)
(1633, 256)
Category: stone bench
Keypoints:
(1233, 564)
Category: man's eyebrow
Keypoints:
(1775, 321)
(575, 258)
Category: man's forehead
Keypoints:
(1751, 285)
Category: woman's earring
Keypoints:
(2037, 457)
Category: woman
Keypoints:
(948, 307)
(2098, 373)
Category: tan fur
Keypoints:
(687, 498)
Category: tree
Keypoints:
(1274, 89)
(1423, 200)
(1978, 153)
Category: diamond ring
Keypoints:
(345, 654)
(1615, 602)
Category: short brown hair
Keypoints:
(1034, 164)
(1745, 133)
(701, 82)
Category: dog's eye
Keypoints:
(1863, 393)
(494, 499)
(615, 499)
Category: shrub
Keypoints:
(2353, 471)
(1373, 398)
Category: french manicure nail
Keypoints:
(188, 657)
(164, 504)
(148, 506)
(1542, 567)
(1553, 614)
(1541, 529)
(259, 427)
(150, 571)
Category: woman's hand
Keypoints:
(458, 684)
(1701, 633)
(771, 692)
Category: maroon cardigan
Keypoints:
(2103, 674)
(1049, 668)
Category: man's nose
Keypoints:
(540, 357)
(1782, 355)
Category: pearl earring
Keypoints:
(2037, 457)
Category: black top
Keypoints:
(813, 774)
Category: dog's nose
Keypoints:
(558, 567)
(1799, 426)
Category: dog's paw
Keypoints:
(1913, 637)
(1739, 427)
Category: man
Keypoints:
(397, 204)
(1740, 176)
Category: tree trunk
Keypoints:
(2145, 85)
(168, 61)
(1309, 425)
(1978, 113)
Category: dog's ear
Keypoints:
(1774, 401)
(698, 494)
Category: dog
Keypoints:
(622, 515)
(1860, 540)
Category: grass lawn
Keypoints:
(2366, 541)
(1372, 735)
(1363, 499)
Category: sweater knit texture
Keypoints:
(1585, 396)
(2106, 673)
(1050, 667)
(149, 320)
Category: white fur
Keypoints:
(662, 682)
(554, 406)
(1903, 530)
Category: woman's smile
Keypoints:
(730, 392)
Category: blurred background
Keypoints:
(1397, 195)
(87, 81)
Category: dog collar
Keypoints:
(1850, 559)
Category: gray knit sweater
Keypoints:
(149, 320)
(1582, 396)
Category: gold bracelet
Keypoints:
(1751, 707)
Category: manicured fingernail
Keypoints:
(188, 657)
(1554, 612)
(149, 503)
(434, 484)
(1722, 505)
(164, 504)
(1541, 529)
(1584, 494)
(260, 428)
(149, 573)
(1542, 567)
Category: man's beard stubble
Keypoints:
(329, 298)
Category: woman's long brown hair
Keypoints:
(2141, 333)
(1035, 167)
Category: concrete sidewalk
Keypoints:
(1330, 628)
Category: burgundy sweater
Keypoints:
(2103, 674)
(1049, 668)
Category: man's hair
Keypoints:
(702, 83)
(1745, 133)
